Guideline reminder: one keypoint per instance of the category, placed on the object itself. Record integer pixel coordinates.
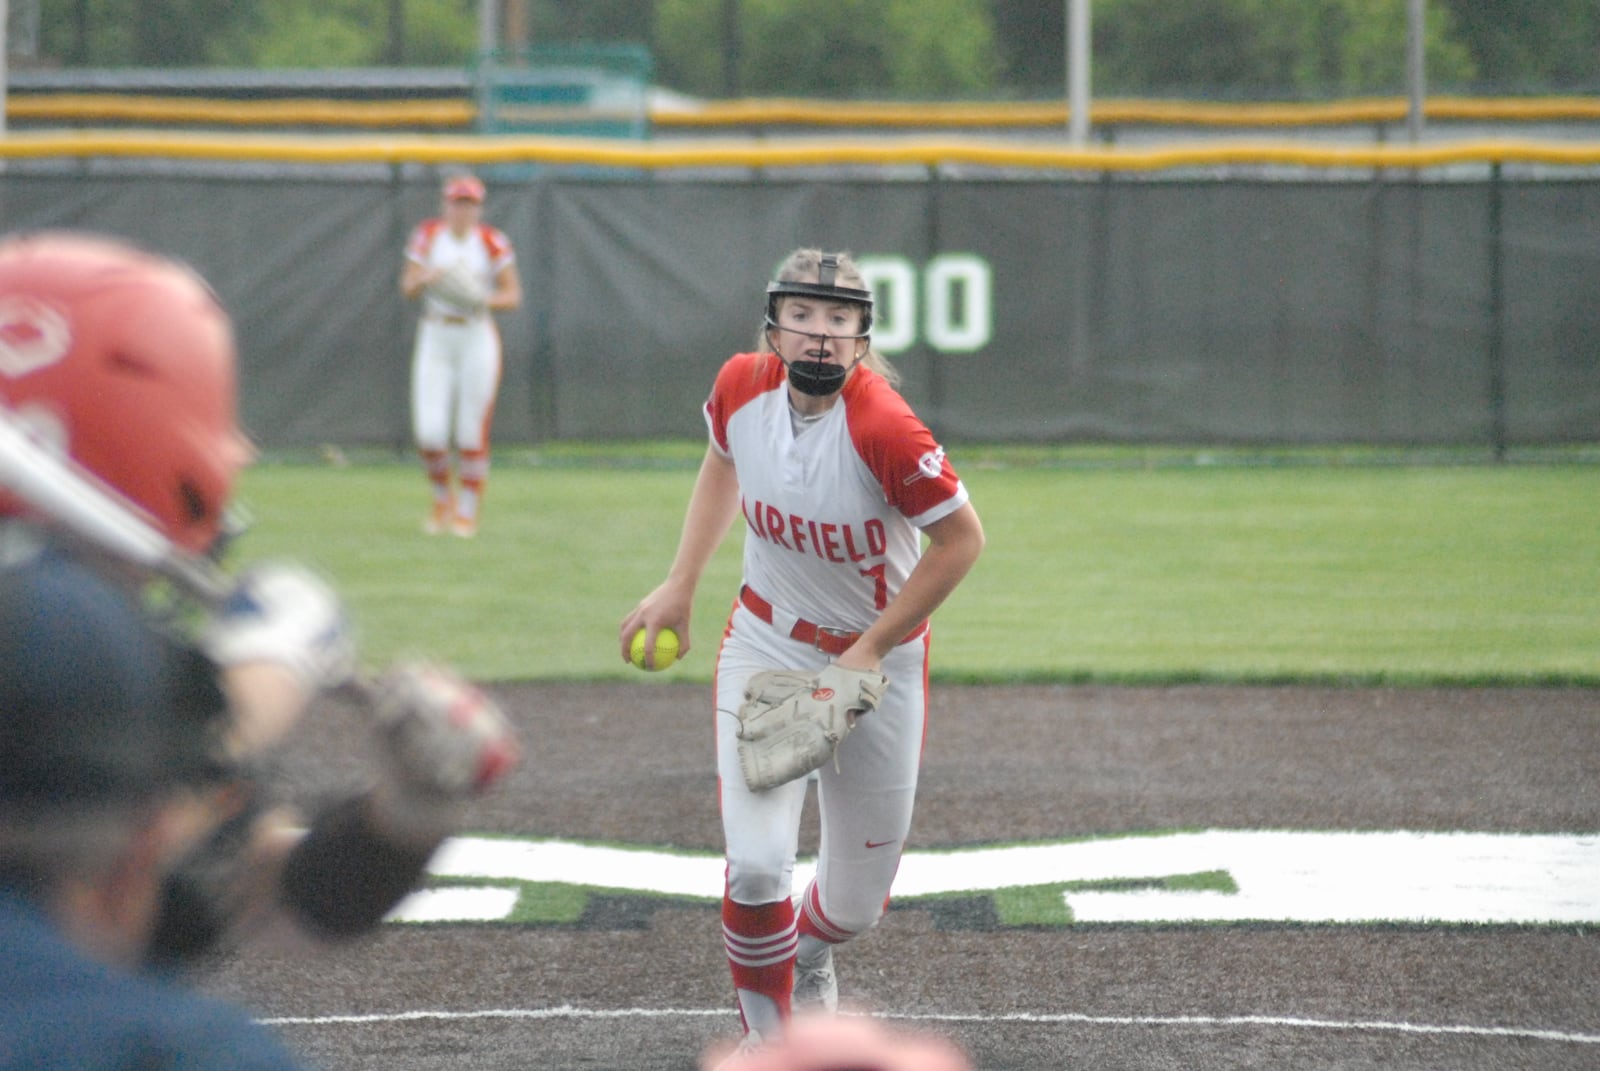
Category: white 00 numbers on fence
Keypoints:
(949, 301)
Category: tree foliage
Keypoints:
(906, 48)
(939, 48)
(256, 33)
(1303, 48)
(827, 48)
(1517, 46)
(590, 21)
(351, 33)
(134, 33)
(1260, 48)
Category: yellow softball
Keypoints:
(666, 649)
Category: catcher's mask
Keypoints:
(101, 706)
(819, 378)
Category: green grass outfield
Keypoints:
(1115, 565)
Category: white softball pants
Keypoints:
(864, 806)
(455, 375)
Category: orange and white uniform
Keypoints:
(455, 371)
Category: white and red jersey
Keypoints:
(485, 250)
(833, 514)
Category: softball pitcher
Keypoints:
(462, 270)
(839, 485)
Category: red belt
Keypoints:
(831, 641)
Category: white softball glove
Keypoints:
(460, 287)
(283, 613)
(793, 721)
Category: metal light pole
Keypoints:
(1078, 71)
(488, 26)
(5, 74)
(730, 48)
(1416, 79)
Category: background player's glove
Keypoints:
(461, 287)
(283, 613)
(447, 740)
(792, 722)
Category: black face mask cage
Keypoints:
(819, 378)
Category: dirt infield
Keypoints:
(637, 983)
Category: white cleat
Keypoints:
(749, 1046)
(816, 987)
(438, 518)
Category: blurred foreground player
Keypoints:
(843, 1043)
(108, 777)
(124, 363)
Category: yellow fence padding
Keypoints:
(461, 112)
(788, 152)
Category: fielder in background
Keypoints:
(840, 484)
(462, 270)
(123, 363)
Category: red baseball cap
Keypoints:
(464, 188)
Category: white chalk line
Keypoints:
(1031, 1018)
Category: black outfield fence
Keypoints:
(1278, 294)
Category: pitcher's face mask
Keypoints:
(812, 373)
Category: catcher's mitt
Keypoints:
(792, 722)
(446, 738)
(461, 287)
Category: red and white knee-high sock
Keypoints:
(474, 477)
(760, 940)
(815, 931)
(436, 463)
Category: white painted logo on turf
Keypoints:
(1280, 876)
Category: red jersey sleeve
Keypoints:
(897, 447)
(743, 377)
(497, 245)
(421, 240)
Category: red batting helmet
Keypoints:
(126, 361)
